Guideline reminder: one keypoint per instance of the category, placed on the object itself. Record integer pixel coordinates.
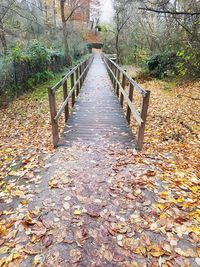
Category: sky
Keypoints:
(107, 10)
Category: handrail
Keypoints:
(60, 83)
(116, 74)
(131, 105)
(137, 87)
(77, 76)
(70, 94)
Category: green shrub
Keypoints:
(184, 63)
(163, 65)
(188, 64)
(136, 55)
(27, 66)
(39, 77)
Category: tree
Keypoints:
(122, 15)
(54, 14)
(68, 9)
(185, 13)
(3, 38)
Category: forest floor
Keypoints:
(145, 203)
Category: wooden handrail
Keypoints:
(131, 105)
(115, 72)
(78, 74)
(61, 82)
(137, 87)
(69, 95)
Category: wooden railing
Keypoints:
(120, 79)
(73, 79)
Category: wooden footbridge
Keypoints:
(104, 107)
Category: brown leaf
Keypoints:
(47, 240)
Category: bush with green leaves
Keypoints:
(135, 55)
(27, 66)
(163, 65)
(182, 63)
(188, 64)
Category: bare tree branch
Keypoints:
(169, 12)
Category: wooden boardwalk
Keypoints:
(97, 115)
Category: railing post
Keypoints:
(115, 74)
(128, 113)
(65, 94)
(77, 87)
(85, 66)
(123, 86)
(118, 78)
(72, 85)
(143, 113)
(113, 67)
(54, 124)
(87, 63)
(81, 70)
(109, 65)
(110, 71)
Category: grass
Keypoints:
(40, 92)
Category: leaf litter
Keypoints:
(114, 206)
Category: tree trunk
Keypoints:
(46, 13)
(54, 13)
(117, 47)
(3, 38)
(65, 35)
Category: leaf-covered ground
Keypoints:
(107, 206)
(25, 132)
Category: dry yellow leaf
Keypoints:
(78, 211)
(160, 206)
(4, 249)
(186, 253)
(3, 230)
(156, 251)
(134, 264)
(198, 251)
(24, 202)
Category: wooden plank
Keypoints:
(54, 124)
(65, 95)
(128, 113)
(72, 86)
(144, 109)
(123, 86)
(99, 119)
